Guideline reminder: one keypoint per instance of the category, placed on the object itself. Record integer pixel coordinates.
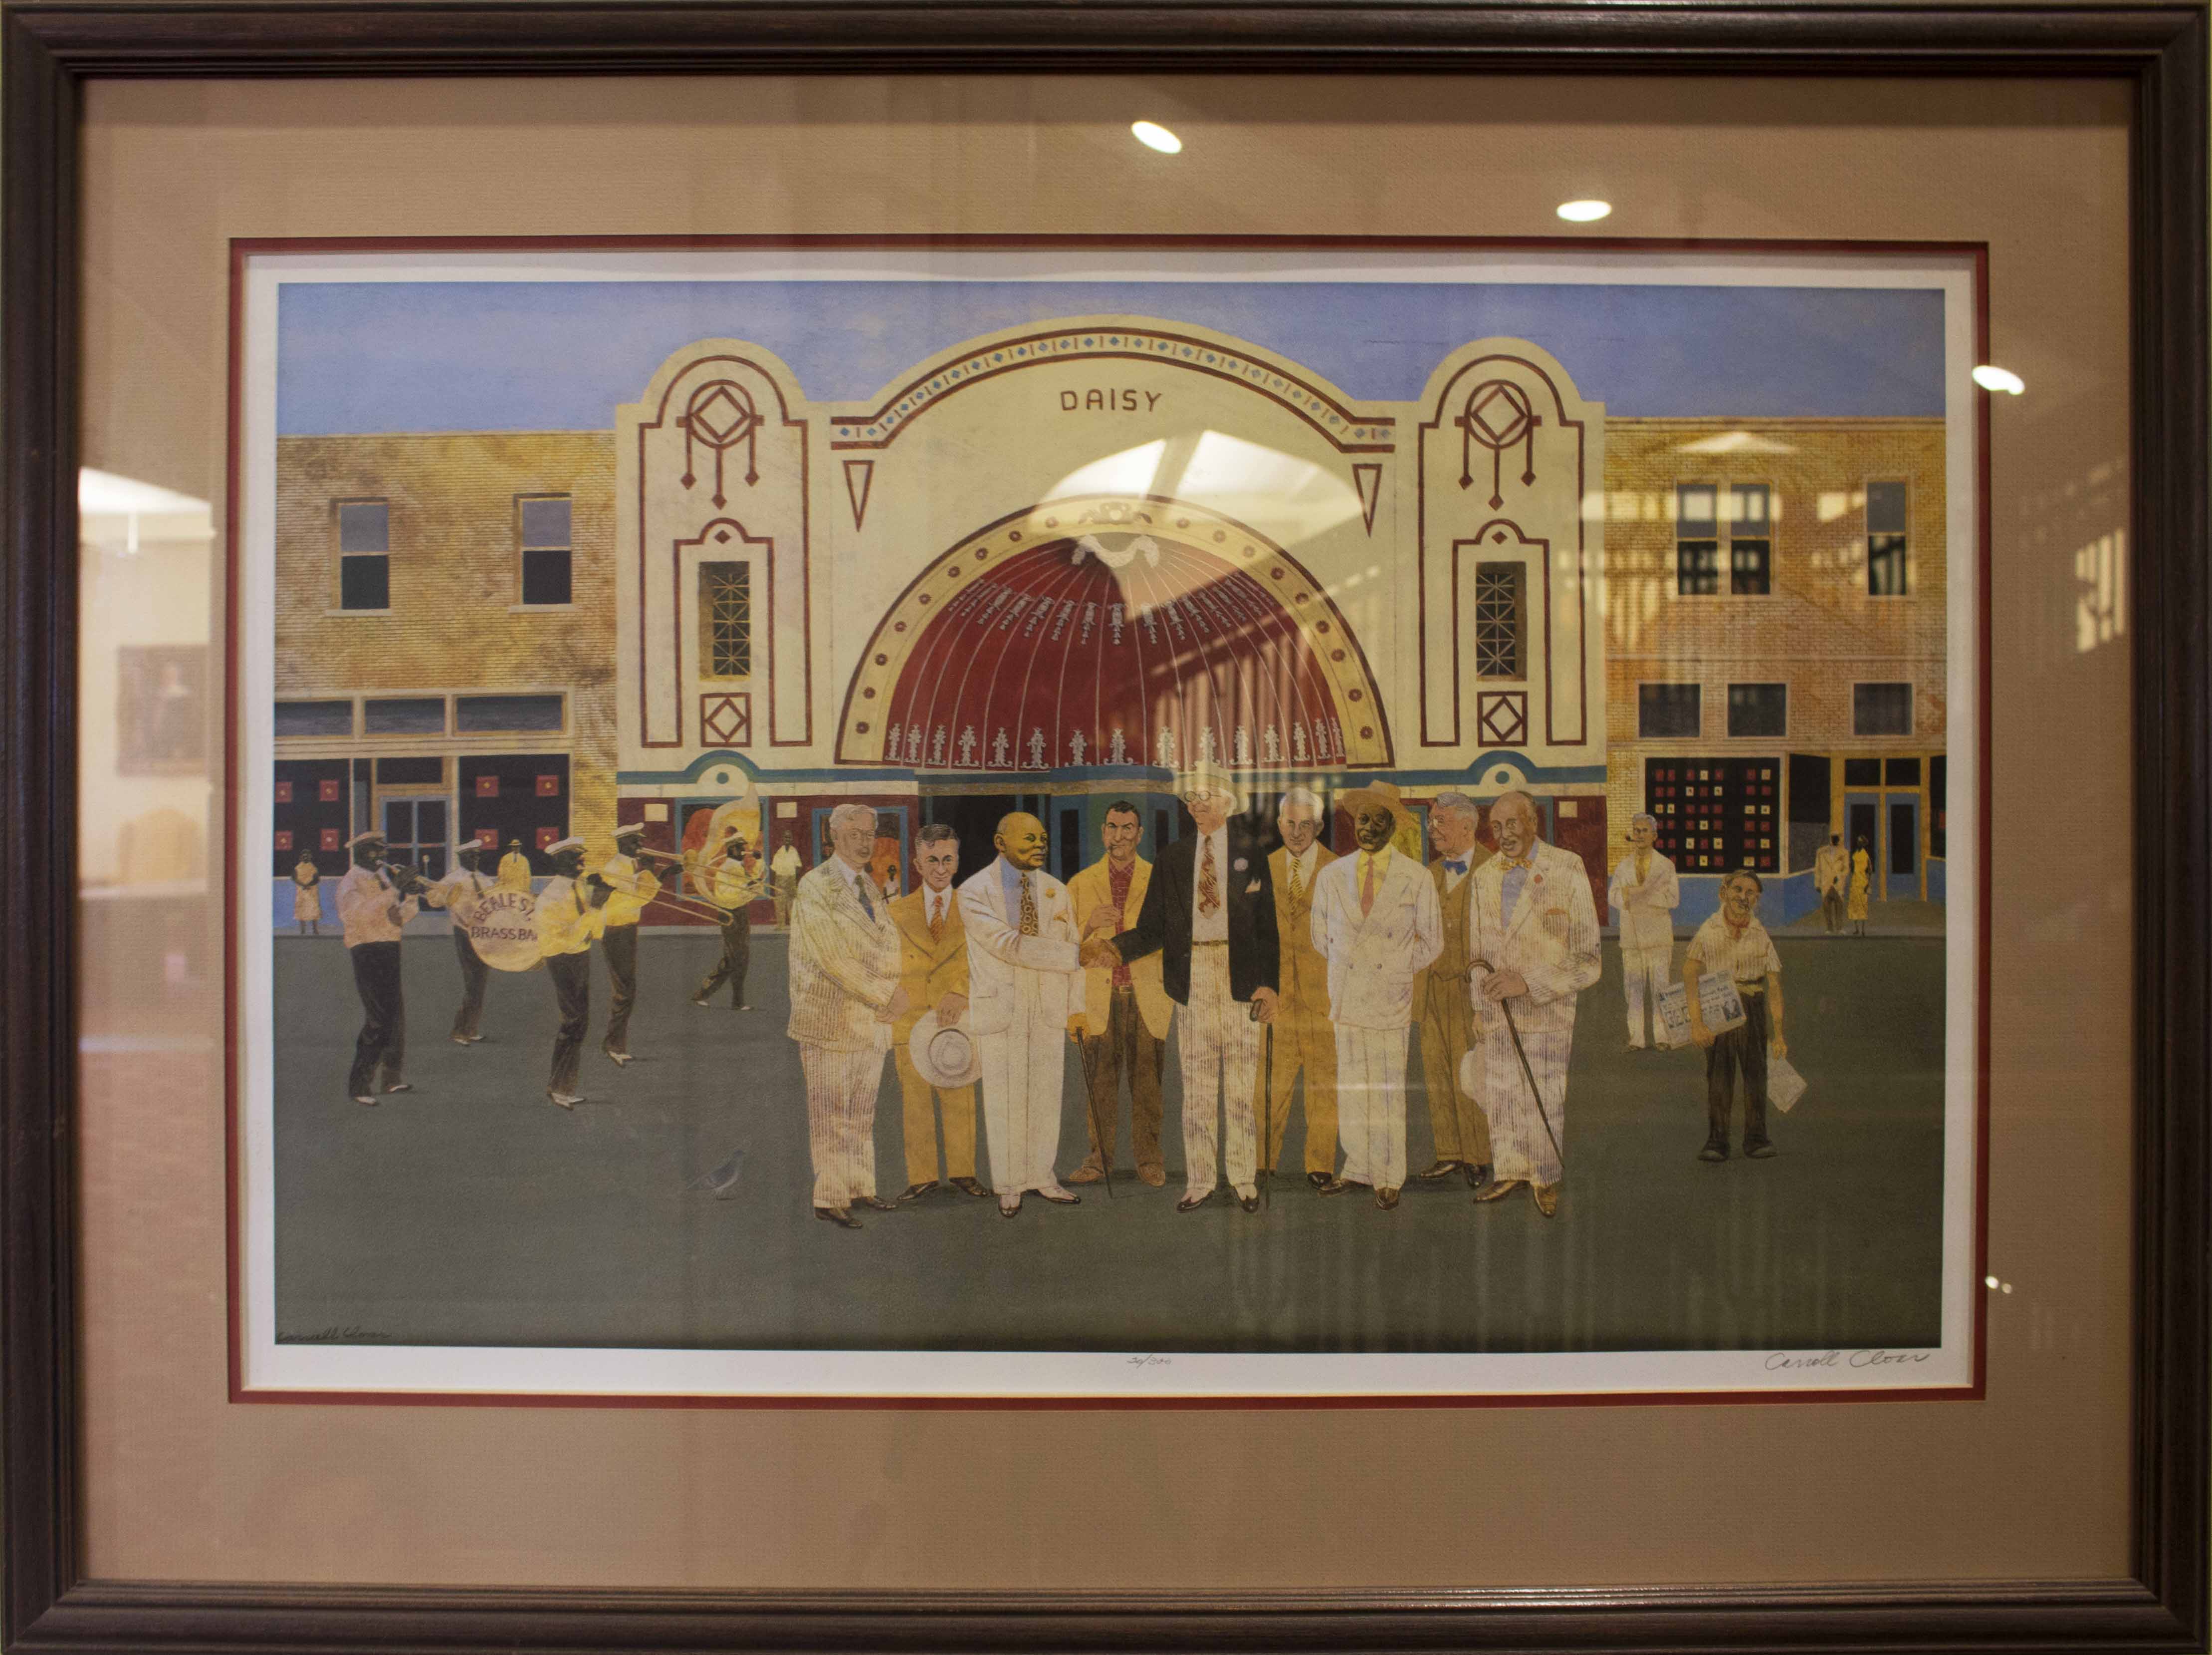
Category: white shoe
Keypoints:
(566, 1099)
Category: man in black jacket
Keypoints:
(1210, 909)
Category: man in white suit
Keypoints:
(1533, 931)
(1023, 976)
(845, 995)
(1377, 922)
(1644, 895)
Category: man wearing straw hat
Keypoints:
(1533, 931)
(1210, 912)
(630, 886)
(1379, 923)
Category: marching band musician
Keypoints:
(730, 879)
(374, 908)
(631, 886)
(570, 913)
(458, 893)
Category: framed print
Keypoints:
(952, 829)
(470, 642)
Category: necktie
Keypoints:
(1642, 866)
(1366, 882)
(1209, 882)
(1298, 884)
(861, 890)
(1028, 908)
(937, 916)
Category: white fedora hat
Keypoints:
(944, 1057)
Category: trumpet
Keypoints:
(406, 879)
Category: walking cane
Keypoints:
(1090, 1104)
(1528, 1073)
(1267, 1117)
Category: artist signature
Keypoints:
(350, 1334)
(1781, 1360)
(1151, 1361)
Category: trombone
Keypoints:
(721, 830)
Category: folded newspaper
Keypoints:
(1785, 1085)
(1718, 1003)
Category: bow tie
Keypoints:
(1455, 865)
(1509, 863)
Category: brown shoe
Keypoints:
(1442, 1170)
(1319, 1179)
(968, 1187)
(876, 1201)
(1086, 1173)
(1386, 1199)
(916, 1191)
(1336, 1187)
(1154, 1176)
(837, 1215)
(1547, 1198)
(1498, 1189)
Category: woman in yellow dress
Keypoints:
(307, 898)
(1855, 905)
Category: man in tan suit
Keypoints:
(1124, 1021)
(1447, 1020)
(1305, 1043)
(933, 971)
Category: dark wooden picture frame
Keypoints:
(52, 50)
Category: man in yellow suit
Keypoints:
(1456, 1125)
(933, 971)
(1123, 1025)
(631, 886)
(515, 868)
(1305, 1042)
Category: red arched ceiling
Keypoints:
(1053, 655)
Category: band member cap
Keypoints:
(370, 837)
(630, 830)
(559, 845)
(1208, 778)
(482, 841)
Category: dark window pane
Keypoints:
(411, 772)
(364, 583)
(1863, 772)
(726, 619)
(545, 522)
(1902, 772)
(1747, 567)
(364, 525)
(1886, 565)
(1497, 620)
(1667, 710)
(1881, 709)
(1758, 709)
(405, 715)
(314, 718)
(430, 821)
(1696, 567)
(1904, 840)
(1939, 789)
(477, 713)
(545, 576)
(1885, 508)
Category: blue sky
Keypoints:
(360, 358)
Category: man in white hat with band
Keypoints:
(374, 911)
(1377, 922)
(1210, 910)
(1024, 974)
(845, 996)
(570, 913)
(630, 886)
(458, 893)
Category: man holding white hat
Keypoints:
(631, 885)
(570, 913)
(374, 911)
(458, 893)
(845, 996)
(1210, 910)
(933, 971)
(1377, 920)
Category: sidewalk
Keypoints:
(1907, 918)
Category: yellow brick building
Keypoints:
(445, 640)
(1776, 600)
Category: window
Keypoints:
(485, 715)
(1668, 709)
(1716, 814)
(364, 553)
(1886, 539)
(299, 718)
(1863, 772)
(1499, 610)
(545, 549)
(1881, 709)
(725, 620)
(411, 772)
(1900, 772)
(405, 715)
(1759, 709)
(1697, 539)
(1751, 539)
